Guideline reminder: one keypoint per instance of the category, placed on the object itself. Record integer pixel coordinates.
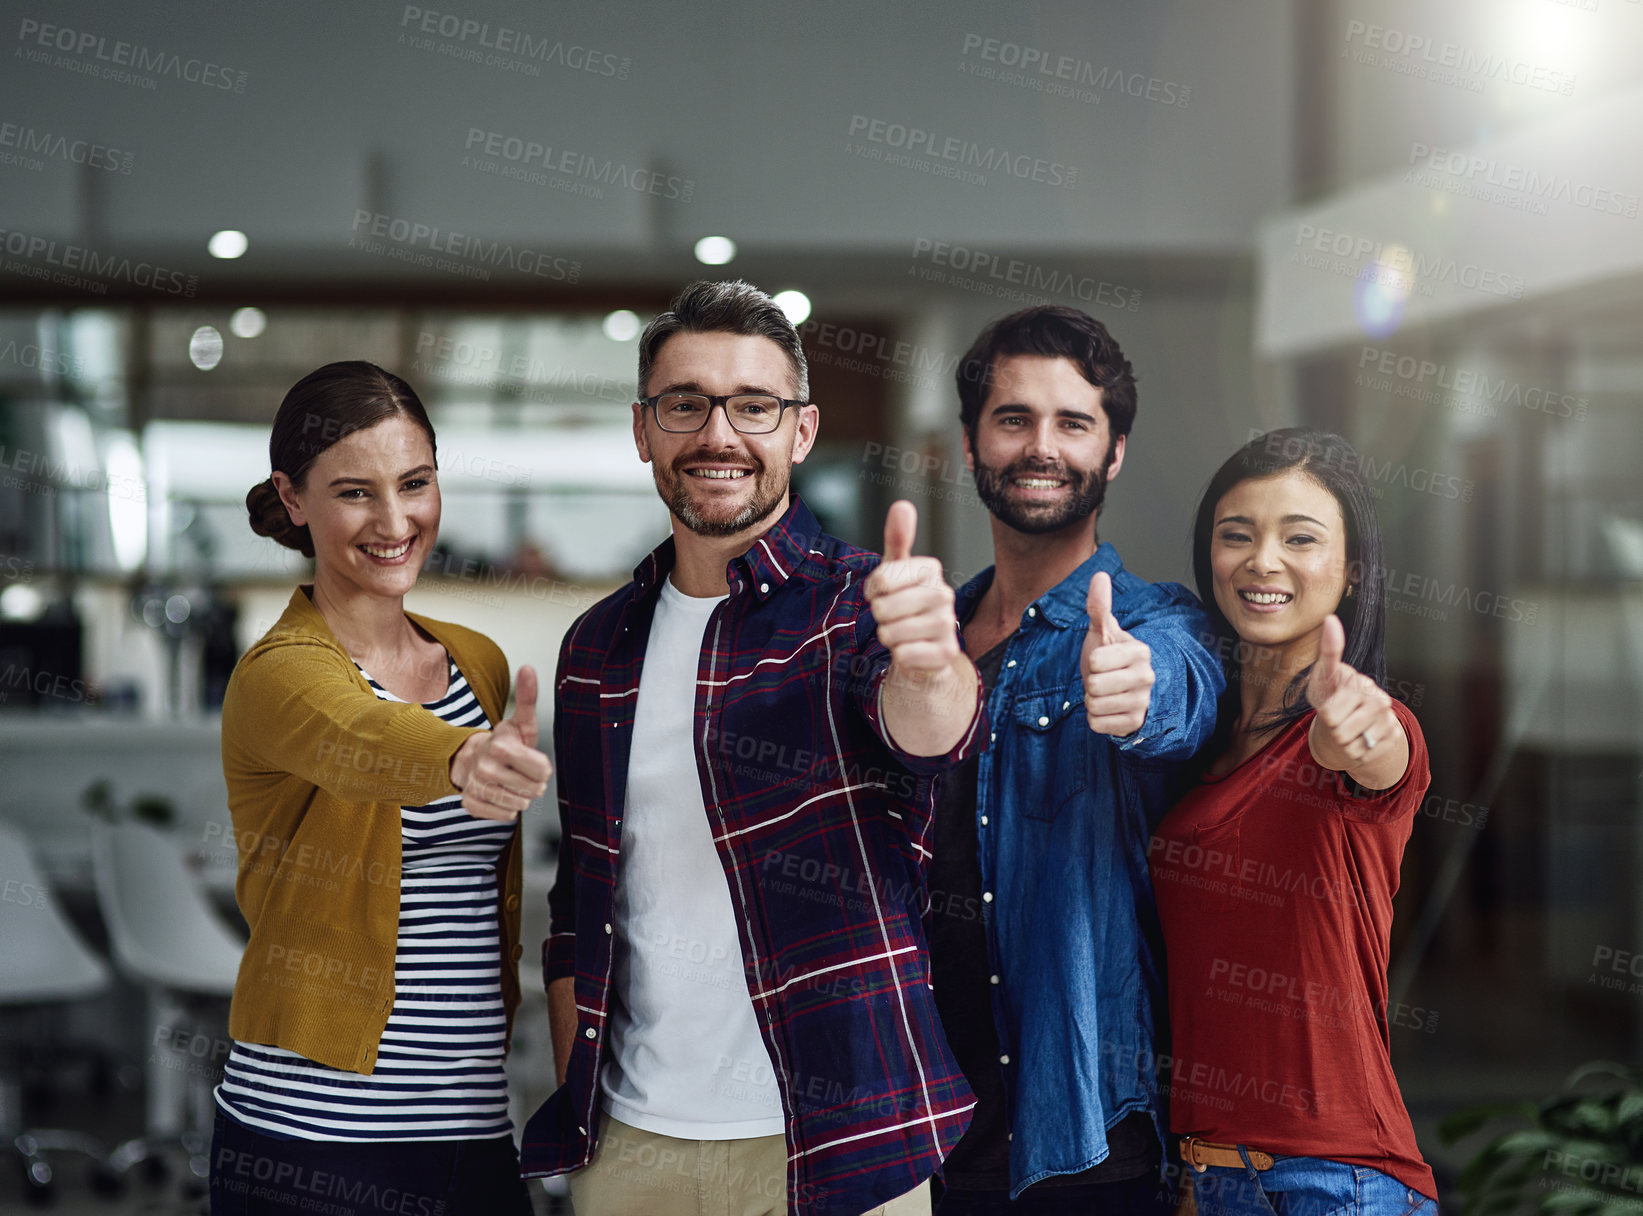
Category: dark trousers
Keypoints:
(257, 1175)
(1145, 1196)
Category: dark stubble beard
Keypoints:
(768, 490)
(1089, 490)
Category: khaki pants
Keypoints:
(640, 1173)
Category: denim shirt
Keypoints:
(1064, 819)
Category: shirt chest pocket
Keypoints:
(1215, 862)
(1054, 753)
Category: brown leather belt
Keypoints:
(1201, 1154)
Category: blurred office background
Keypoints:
(1416, 223)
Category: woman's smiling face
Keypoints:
(371, 503)
(1278, 554)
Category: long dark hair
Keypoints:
(1334, 464)
(323, 407)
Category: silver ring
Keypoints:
(1368, 742)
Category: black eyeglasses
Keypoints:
(749, 413)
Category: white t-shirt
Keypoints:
(686, 1058)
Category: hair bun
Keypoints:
(270, 518)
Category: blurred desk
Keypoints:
(50, 761)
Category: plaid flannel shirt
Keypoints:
(822, 824)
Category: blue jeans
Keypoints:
(1306, 1186)
(1144, 1196)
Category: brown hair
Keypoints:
(1055, 331)
(324, 406)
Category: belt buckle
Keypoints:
(1191, 1145)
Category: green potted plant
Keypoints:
(98, 799)
(1577, 1153)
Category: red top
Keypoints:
(1275, 890)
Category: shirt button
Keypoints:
(992, 979)
(581, 1131)
(986, 897)
(1003, 1059)
(992, 736)
(591, 1033)
(1043, 721)
(1065, 704)
(764, 588)
(1011, 663)
(1032, 612)
(607, 928)
(984, 821)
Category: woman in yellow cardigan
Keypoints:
(375, 788)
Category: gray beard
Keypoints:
(762, 506)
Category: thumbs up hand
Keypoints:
(1354, 713)
(1117, 668)
(501, 771)
(911, 601)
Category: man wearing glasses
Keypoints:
(746, 737)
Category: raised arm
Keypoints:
(295, 707)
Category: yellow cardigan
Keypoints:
(317, 770)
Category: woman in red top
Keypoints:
(1275, 874)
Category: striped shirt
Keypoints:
(822, 826)
(438, 1073)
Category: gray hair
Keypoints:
(730, 306)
